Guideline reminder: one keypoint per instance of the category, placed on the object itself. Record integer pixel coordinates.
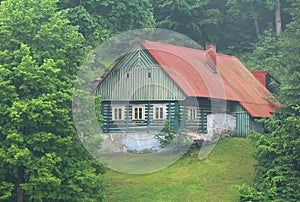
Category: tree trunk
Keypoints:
(20, 191)
(256, 27)
(278, 19)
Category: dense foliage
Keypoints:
(40, 156)
(98, 20)
(277, 175)
(234, 25)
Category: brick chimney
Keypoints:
(211, 60)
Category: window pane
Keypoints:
(161, 113)
(140, 113)
(156, 112)
(136, 113)
(115, 114)
(120, 114)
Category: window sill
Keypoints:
(138, 120)
(159, 120)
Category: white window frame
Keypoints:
(192, 113)
(118, 118)
(139, 107)
(159, 110)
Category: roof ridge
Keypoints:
(168, 44)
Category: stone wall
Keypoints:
(220, 124)
(136, 142)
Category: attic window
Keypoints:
(127, 75)
(149, 74)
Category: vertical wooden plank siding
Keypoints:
(242, 124)
(245, 123)
(138, 77)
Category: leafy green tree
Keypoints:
(196, 19)
(233, 24)
(246, 11)
(128, 15)
(98, 20)
(89, 16)
(41, 158)
(266, 54)
(241, 24)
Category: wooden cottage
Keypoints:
(156, 83)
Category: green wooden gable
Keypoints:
(138, 77)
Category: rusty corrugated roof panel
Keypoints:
(233, 81)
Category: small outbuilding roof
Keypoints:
(232, 80)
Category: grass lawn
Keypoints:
(215, 178)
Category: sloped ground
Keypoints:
(215, 178)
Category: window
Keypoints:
(192, 113)
(117, 113)
(159, 112)
(138, 112)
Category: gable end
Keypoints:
(137, 76)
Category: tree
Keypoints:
(277, 173)
(241, 24)
(276, 6)
(196, 19)
(266, 54)
(98, 20)
(41, 158)
(290, 94)
(166, 135)
(246, 11)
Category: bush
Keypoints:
(166, 135)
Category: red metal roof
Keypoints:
(233, 81)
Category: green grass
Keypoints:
(215, 178)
